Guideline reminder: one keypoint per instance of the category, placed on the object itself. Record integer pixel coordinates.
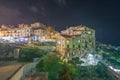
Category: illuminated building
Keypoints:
(39, 31)
(60, 45)
(76, 41)
(24, 32)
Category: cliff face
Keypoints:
(6, 50)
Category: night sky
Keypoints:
(101, 15)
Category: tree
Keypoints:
(56, 68)
(103, 72)
(65, 73)
(27, 54)
(51, 64)
(69, 72)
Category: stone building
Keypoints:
(61, 44)
(5, 29)
(76, 41)
(39, 31)
(23, 32)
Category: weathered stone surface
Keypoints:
(75, 41)
(8, 51)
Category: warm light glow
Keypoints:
(89, 32)
(1, 34)
(59, 42)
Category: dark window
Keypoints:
(73, 46)
(86, 44)
(15, 31)
(78, 46)
(67, 46)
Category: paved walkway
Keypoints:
(7, 71)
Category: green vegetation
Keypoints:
(27, 54)
(111, 55)
(98, 72)
(52, 64)
(60, 70)
(68, 72)
(75, 61)
(45, 44)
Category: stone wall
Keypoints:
(7, 51)
(23, 71)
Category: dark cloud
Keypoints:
(9, 15)
(34, 9)
(8, 12)
(60, 2)
(13, 16)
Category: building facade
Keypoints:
(39, 31)
(23, 32)
(76, 41)
(61, 45)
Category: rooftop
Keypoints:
(74, 31)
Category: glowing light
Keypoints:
(59, 42)
(89, 32)
(1, 34)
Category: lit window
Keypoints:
(78, 41)
(89, 32)
(67, 41)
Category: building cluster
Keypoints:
(76, 41)
(24, 32)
